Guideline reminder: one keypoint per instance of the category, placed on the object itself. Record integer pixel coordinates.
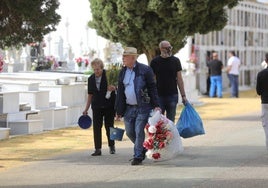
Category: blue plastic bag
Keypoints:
(190, 124)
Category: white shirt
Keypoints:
(98, 81)
(234, 62)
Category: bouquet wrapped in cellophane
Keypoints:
(163, 139)
(112, 73)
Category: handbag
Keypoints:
(190, 124)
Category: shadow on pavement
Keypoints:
(199, 156)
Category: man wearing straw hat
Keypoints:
(136, 98)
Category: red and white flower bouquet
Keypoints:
(163, 139)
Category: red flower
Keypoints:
(159, 124)
(149, 144)
(151, 134)
(159, 127)
(156, 156)
(161, 145)
(160, 136)
(86, 62)
(169, 135)
(79, 60)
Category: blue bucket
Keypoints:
(84, 122)
(116, 133)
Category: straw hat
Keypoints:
(130, 51)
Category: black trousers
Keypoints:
(100, 115)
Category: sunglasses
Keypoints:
(168, 48)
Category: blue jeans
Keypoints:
(215, 86)
(134, 124)
(234, 84)
(168, 104)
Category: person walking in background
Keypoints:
(136, 98)
(208, 59)
(102, 108)
(262, 90)
(167, 69)
(215, 67)
(233, 73)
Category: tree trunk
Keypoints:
(151, 54)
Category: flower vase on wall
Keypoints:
(79, 66)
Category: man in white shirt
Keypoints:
(233, 73)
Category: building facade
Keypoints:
(246, 33)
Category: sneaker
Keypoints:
(136, 161)
(112, 150)
(96, 153)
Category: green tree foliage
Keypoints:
(144, 23)
(26, 21)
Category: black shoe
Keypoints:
(136, 161)
(144, 153)
(96, 153)
(112, 150)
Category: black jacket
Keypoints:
(262, 85)
(145, 89)
(98, 98)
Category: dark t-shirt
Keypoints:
(215, 67)
(165, 70)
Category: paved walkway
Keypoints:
(231, 154)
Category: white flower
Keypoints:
(152, 129)
(149, 154)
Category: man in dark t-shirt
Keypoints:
(215, 67)
(167, 69)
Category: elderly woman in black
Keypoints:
(102, 108)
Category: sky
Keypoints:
(79, 36)
(77, 13)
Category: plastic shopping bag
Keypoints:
(190, 124)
